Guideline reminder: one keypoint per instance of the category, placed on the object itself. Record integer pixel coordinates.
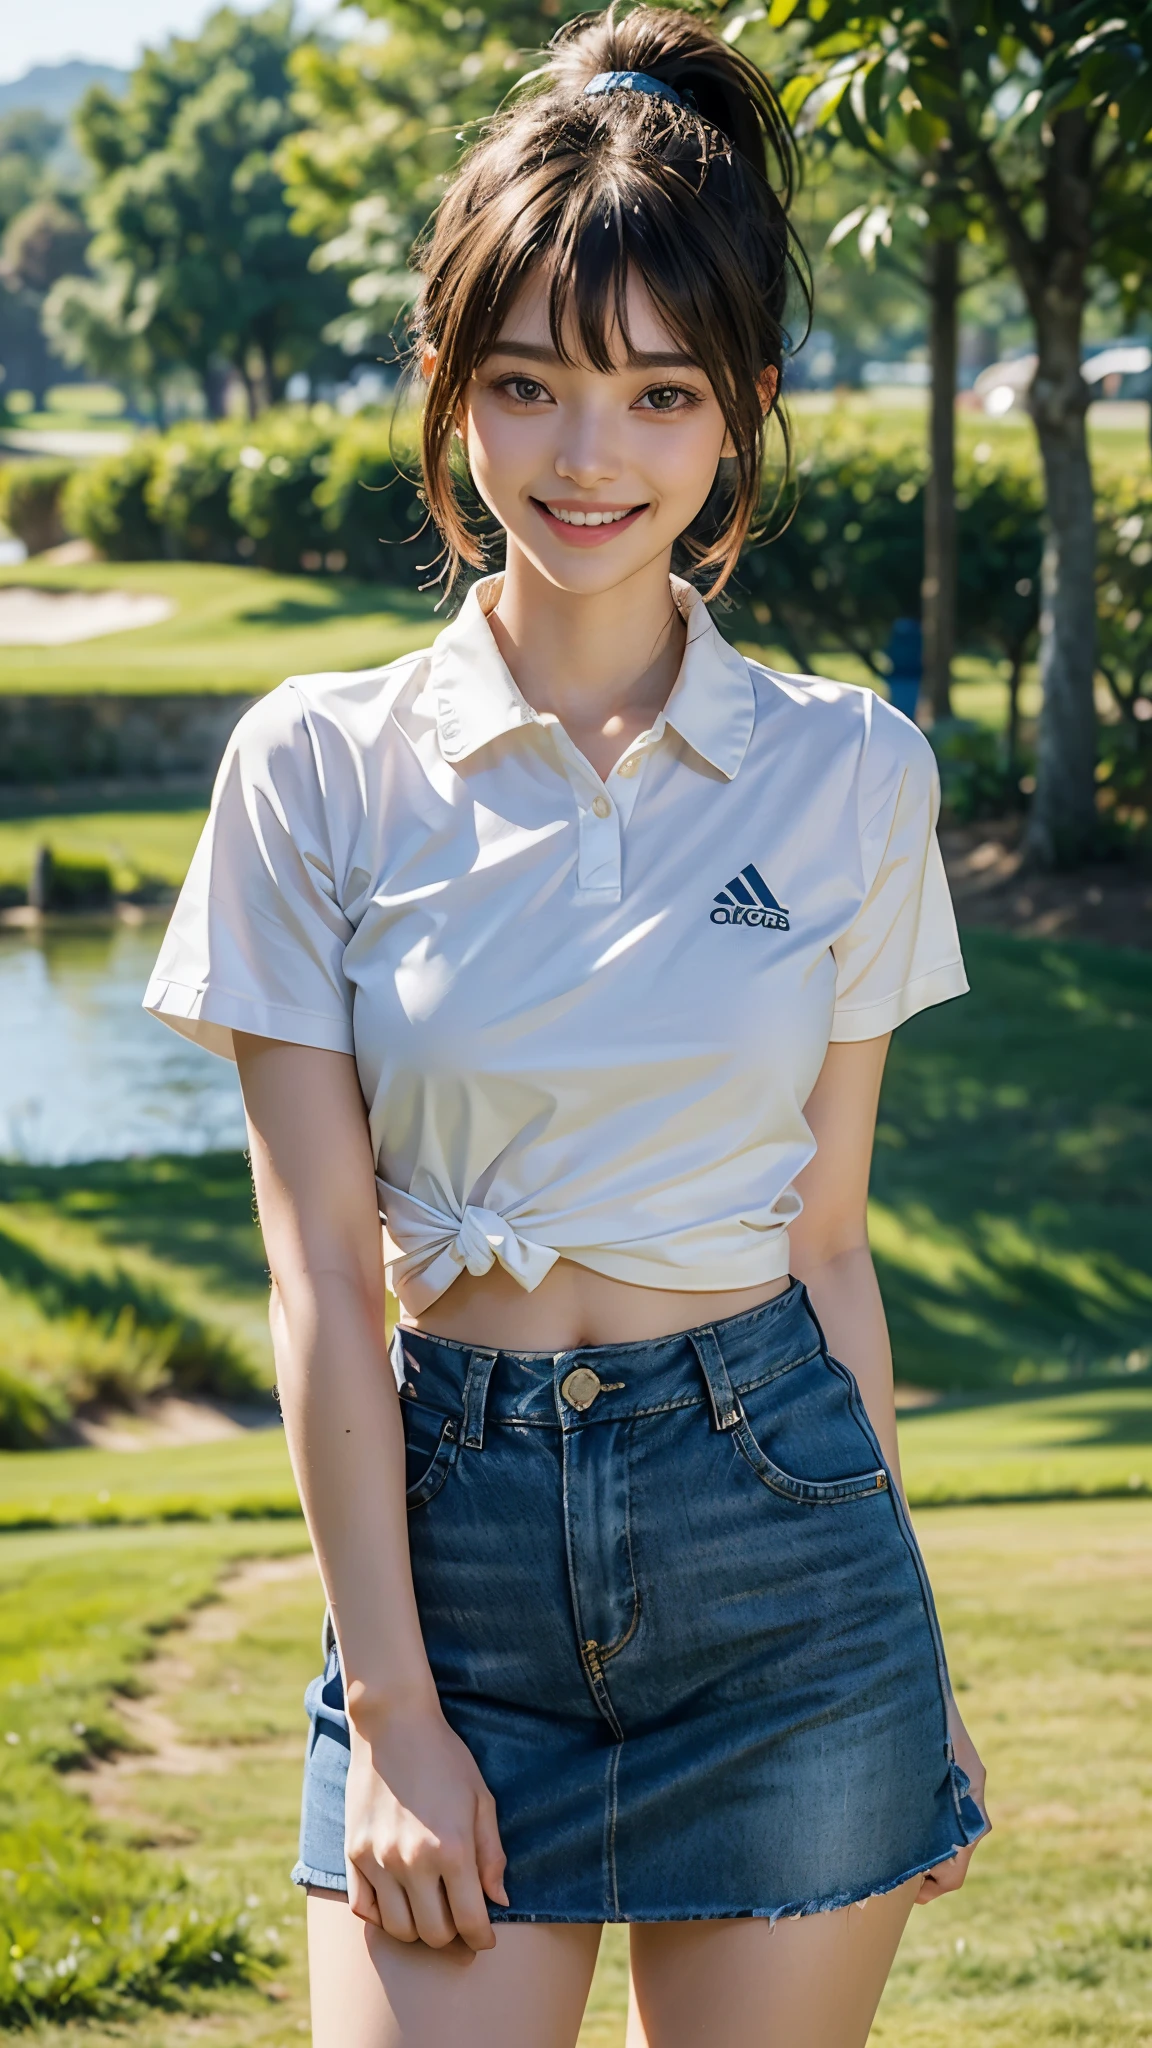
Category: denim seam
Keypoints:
(613, 1805)
(908, 1534)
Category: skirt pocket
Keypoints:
(801, 1438)
(431, 1443)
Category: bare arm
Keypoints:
(830, 1253)
(830, 1250)
(418, 1812)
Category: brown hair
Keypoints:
(694, 197)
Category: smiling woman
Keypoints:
(570, 948)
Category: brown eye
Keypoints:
(663, 397)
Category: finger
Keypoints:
(490, 1857)
(466, 1905)
(429, 1905)
(361, 1896)
(385, 1902)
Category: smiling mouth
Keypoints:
(598, 522)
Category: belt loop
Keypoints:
(806, 1298)
(480, 1364)
(725, 1407)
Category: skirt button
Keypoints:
(581, 1387)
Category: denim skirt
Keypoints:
(674, 1606)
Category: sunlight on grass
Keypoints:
(139, 847)
(234, 630)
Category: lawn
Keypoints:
(121, 1279)
(1012, 1186)
(142, 846)
(1045, 1612)
(234, 630)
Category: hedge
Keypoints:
(30, 502)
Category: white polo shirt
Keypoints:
(586, 1014)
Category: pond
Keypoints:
(84, 1072)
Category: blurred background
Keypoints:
(207, 482)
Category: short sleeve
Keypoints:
(901, 953)
(256, 941)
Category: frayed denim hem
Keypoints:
(834, 1903)
(303, 1873)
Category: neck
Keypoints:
(590, 660)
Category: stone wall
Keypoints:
(49, 739)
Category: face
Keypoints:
(593, 474)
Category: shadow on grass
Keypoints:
(343, 597)
(1013, 1173)
(196, 1211)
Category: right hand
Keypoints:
(422, 1846)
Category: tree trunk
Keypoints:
(1062, 826)
(939, 587)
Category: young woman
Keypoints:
(570, 949)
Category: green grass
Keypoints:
(139, 846)
(1045, 1614)
(89, 1923)
(1011, 1212)
(124, 1279)
(233, 630)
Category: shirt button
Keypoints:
(629, 766)
(602, 807)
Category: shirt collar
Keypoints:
(711, 705)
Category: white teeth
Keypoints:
(587, 518)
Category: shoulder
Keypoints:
(888, 749)
(319, 717)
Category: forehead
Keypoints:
(648, 331)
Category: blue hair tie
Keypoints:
(633, 81)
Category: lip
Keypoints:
(586, 536)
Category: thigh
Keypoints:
(808, 1983)
(369, 1991)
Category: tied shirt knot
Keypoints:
(427, 1248)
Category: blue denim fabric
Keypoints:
(686, 1630)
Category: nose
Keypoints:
(586, 455)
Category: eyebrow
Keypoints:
(641, 359)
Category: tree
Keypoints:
(380, 125)
(1046, 107)
(194, 260)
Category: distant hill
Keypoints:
(56, 89)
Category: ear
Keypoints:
(767, 384)
(427, 361)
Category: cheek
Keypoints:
(500, 447)
(683, 459)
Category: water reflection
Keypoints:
(84, 1074)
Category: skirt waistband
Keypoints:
(713, 1363)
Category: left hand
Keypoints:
(948, 1877)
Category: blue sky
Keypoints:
(112, 32)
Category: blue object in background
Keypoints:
(906, 654)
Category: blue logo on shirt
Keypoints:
(747, 899)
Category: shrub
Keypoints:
(108, 504)
(188, 492)
(32, 503)
(978, 776)
(61, 882)
(848, 562)
(372, 507)
(271, 497)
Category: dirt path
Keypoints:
(164, 1748)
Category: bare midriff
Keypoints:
(573, 1308)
